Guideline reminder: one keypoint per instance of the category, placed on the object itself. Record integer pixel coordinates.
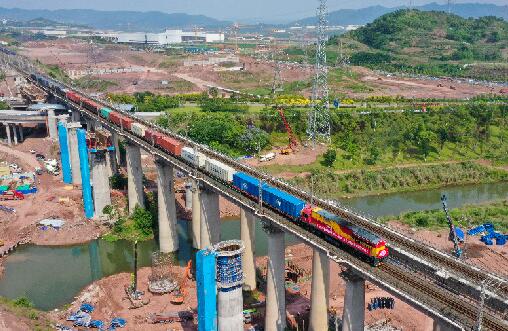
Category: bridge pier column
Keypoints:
(353, 317)
(196, 215)
(15, 133)
(320, 289)
(52, 124)
(74, 151)
(116, 144)
(100, 179)
(443, 326)
(8, 133)
(275, 315)
(134, 177)
(76, 117)
(21, 135)
(247, 235)
(168, 236)
(188, 196)
(210, 218)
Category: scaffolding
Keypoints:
(162, 279)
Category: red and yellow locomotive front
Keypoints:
(332, 225)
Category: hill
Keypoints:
(433, 43)
(114, 20)
(369, 14)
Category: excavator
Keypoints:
(293, 142)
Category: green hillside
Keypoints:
(434, 43)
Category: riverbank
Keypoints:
(19, 315)
(332, 185)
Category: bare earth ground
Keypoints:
(107, 295)
(77, 55)
(11, 322)
(53, 199)
(492, 258)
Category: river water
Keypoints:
(52, 276)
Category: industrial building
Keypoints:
(167, 37)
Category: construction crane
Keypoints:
(453, 231)
(293, 142)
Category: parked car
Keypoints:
(40, 157)
(11, 195)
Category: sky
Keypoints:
(251, 10)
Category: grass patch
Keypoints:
(95, 84)
(468, 216)
(367, 182)
(22, 307)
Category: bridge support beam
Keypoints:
(168, 236)
(52, 124)
(8, 133)
(247, 235)
(100, 179)
(275, 315)
(320, 289)
(353, 317)
(196, 215)
(73, 149)
(210, 218)
(134, 177)
(443, 326)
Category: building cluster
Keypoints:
(167, 37)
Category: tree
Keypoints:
(143, 220)
(329, 158)
(374, 154)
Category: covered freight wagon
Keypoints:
(115, 118)
(152, 136)
(283, 202)
(219, 170)
(138, 129)
(169, 144)
(91, 105)
(247, 184)
(189, 155)
(105, 112)
(126, 123)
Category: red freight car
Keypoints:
(126, 122)
(151, 136)
(115, 118)
(91, 105)
(74, 97)
(170, 145)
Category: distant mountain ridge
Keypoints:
(114, 20)
(369, 14)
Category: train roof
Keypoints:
(360, 232)
(247, 178)
(286, 196)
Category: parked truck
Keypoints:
(11, 195)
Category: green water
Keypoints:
(53, 276)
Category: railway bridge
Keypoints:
(436, 283)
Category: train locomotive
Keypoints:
(329, 226)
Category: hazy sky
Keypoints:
(262, 10)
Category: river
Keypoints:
(52, 276)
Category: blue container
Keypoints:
(475, 231)
(247, 184)
(282, 201)
(206, 290)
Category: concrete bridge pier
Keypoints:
(168, 236)
(275, 315)
(116, 144)
(15, 133)
(74, 152)
(196, 215)
(52, 124)
(8, 133)
(210, 218)
(353, 316)
(100, 180)
(320, 291)
(75, 116)
(111, 162)
(134, 177)
(188, 195)
(247, 235)
(21, 134)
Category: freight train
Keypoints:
(329, 226)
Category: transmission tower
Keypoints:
(449, 6)
(277, 78)
(318, 126)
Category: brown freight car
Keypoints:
(169, 144)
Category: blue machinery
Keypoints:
(207, 290)
(64, 152)
(85, 173)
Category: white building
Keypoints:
(168, 37)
